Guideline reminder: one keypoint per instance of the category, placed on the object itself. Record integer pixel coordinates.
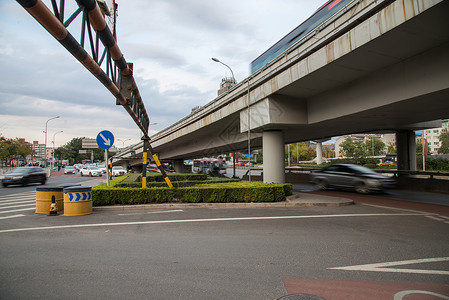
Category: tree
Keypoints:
(391, 148)
(352, 148)
(378, 149)
(444, 139)
(70, 151)
(300, 151)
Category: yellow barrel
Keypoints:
(44, 195)
(77, 201)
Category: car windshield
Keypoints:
(117, 168)
(21, 170)
(69, 168)
(94, 168)
(362, 170)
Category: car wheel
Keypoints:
(90, 174)
(24, 182)
(4, 185)
(361, 188)
(81, 173)
(43, 180)
(321, 184)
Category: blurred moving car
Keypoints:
(118, 171)
(91, 171)
(69, 170)
(153, 168)
(387, 163)
(103, 169)
(347, 176)
(24, 176)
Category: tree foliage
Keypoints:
(14, 148)
(300, 151)
(70, 151)
(358, 149)
(444, 139)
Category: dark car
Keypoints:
(24, 176)
(347, 176)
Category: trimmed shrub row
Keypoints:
(151, 184)
(210, 193)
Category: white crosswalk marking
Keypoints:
(20, 202)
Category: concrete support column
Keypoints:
(273, 157)
(406, 150)
(178, 165)
(319, 153)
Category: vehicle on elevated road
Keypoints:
(208, 165)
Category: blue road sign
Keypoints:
(105, 139)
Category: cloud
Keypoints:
(170, 43)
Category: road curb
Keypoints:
(296, 200)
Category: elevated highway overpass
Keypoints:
(376, 66)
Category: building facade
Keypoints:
(433, 137)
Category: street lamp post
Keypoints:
(218, 61)
(46, 129)
(123, 142)
(53, 159)
(234, 81)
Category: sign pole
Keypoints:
(107, 164)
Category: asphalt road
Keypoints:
(223, 253)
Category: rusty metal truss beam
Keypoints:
(106, 62)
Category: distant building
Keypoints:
(433, 137)
(226, 84)
(39, 149)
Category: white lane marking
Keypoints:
(18, 195)
(152, 212)
(3, 203)
(10, 217)
(202, 220)
(14, 206)
(16, 210)
(384, 267)
(401, 209)
(400, 295)
(436, 218)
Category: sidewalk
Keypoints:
(296, 200)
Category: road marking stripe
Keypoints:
(10, 217)
(18, 198)
(152, 212)
(436, 218)
(401, 209)
(202, 220)
(15, 201)
(15, 210)
(383, 267)
(14, 206)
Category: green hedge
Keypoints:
(208, 193)
(157, 177)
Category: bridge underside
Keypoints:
(397, 81)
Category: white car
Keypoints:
(118, 171)
(91, 171)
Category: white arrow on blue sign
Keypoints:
(80, 196)
(105, 139)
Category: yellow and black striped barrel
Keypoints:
(77, 201)
(44, 196)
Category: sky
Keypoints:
(171, 44)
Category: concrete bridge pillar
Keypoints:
(273, 157)
(178, 165)
(406, 150)
(319, 153)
